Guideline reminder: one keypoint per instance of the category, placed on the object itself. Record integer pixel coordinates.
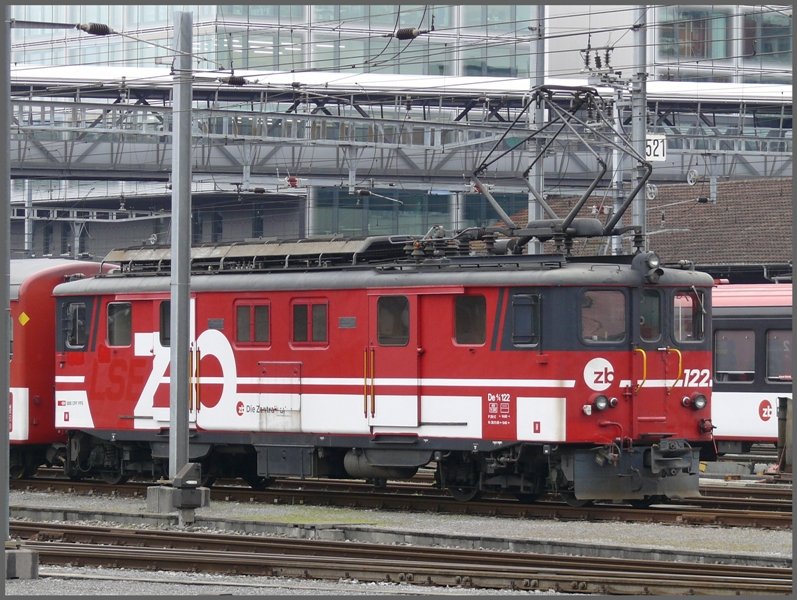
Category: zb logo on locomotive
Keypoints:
(598, 374)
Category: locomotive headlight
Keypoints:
(601, 402)
(695, 401)
(653, 260)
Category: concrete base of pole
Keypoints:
(166, 499)
(21, 563)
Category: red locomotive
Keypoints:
(33, 437)
(752, 362)
(369, 358)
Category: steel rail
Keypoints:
(255, 555)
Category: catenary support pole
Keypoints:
(639, 108)
(5, 270)
(536, 175)
(180, 312)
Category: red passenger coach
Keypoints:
(370, 358)
(34, 439)
(752, 362)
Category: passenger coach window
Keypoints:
(120, 324)
(525, 320)
(779, 356)
(309, 322)
(689, 312)
(734, 355)
(650, 315)
(252, 323)
(603, 316)
(75, 325)
(470, 319)
(393, 320)
(165, 324)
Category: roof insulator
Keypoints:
(407, 33)
(236, 80)
(95, 28)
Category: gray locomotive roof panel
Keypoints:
(340, 279)
(22, 269)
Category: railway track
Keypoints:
(432, 566)
(743, 510)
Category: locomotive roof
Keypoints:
(455, 271)
(21, 269)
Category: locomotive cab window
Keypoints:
(310, 322)
(470, 319)
(393, 320)
(120, 324)
(734, 357)
(689, 313)
(603, 316)
(778, 356)
(252, 323)
(650, 315)
(75, 320)
(525, 320)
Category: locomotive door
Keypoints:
(656, 363)
(391, 361)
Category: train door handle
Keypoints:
(644, 368)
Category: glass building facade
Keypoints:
(727, 43)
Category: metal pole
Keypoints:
(180, 246)
(536, 177)
(5, 272)
(639, 108)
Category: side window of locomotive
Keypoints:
(734, 355)
(165, 327)
(75, 319)
(470, 319)
(310, 322)
(120, 324)
(525, 320)
(650, 315)
(603, 316)
(393, 320)
(252, 323)
(689, 313)
(779, 355)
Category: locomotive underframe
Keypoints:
(668, 468)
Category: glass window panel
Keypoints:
(525, 320)
(165, 324)
(383, 15)
(300, 333)
(650, 315)
(242, 325)
(779, 356)
(603, 316)
(734, 355)
(470, 319)
(689, 321)
(319, 322)
(262, 324)
(261, 51)
(393, 321)
(76, 325)
(120, 324)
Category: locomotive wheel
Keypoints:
(256, 482)
(113, 478)
(571, 500)
(645, 502)
(464, 493)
